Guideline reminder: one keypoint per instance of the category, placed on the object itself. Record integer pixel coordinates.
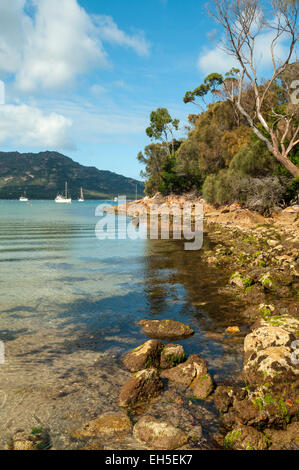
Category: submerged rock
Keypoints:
(106, 425)
(172, 355)
(38, 439)
(245, 438)
(194, 374)
(143, 386)
(165, 329)
(158, 434)
(233, 330)
(145, 356)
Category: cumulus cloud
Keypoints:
(28, 126)
(61, 44)
(57, 42)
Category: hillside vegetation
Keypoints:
(43, 175)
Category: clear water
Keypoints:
(69, 306)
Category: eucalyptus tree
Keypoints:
(243, 23)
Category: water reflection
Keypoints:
(69, 309)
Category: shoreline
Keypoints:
(261, 255)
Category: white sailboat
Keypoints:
(63, 199)
(81, 198)
(24, 198)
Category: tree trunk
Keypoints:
(286, 162)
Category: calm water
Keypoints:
(69, 305)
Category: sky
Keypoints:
(82, 76)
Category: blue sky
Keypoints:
(82, 76)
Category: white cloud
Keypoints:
(28, 126)
(58, 42)
(109, 31)
(14, 25)
(61, 44)
(216, 60)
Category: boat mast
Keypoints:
(65, 190)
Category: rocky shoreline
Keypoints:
(261, 254)
(159, 406)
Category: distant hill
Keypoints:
(43, 175)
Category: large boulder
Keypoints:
(165, 329)
(193, 374)
(274, 364)
(145, 356)
(143, 386)
(172, 355)
(245, 438)
(286, 322)
(266, 337)
(269, 352)
(106, 425)
(157, 434)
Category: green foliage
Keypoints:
(222, 157)
(162, 126)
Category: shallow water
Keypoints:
(69, 306)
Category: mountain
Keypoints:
(43, 175)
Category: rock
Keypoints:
(233, 330)
(172, 355)
(286, 322)
(267, 281)
(272, 242)
(106, 425)
(143, 386)
(287, 439)
(223, 398)
(165, 329)
(194, 374)
(266, 405)
(265, 337)
(173, 408)
(270, 364)
(245, 438)
(185, 373)
(254, 294)
(291, 209)
(145, 356)
(202, 387)
(237, 280)
(38, 439)
(94, 445)
(157, 434)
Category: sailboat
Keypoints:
(24, 198)
(81, 198)
(63, 199)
